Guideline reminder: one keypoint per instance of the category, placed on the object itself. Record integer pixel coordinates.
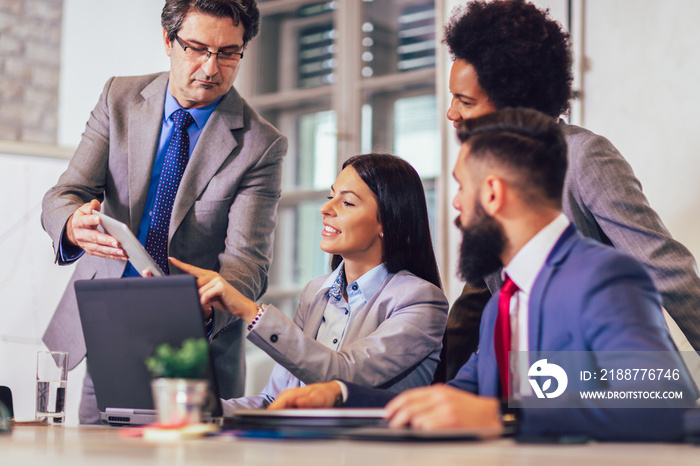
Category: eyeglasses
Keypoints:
(199, 55)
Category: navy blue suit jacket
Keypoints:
(587, 297)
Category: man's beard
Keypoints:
(483, 241)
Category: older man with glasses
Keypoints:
(183, 160)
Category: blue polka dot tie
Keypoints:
(174, 165)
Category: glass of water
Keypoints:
(51, 377)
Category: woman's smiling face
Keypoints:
(351, 226)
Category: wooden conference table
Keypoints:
(77, 446)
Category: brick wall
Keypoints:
(30, 58)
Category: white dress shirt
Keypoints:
(523, 269)
(340, 312)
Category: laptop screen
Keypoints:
(124, 320)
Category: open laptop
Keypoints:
(124, 320)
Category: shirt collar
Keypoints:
(527, 263)
(368, 283)
(200, 115)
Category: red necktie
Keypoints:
(501, 338)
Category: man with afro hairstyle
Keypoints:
(512, 54)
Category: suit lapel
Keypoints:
(540, 287)
(145, 122)
(214, 146)
(313, 322)
(489, 376)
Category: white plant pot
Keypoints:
(179, 401)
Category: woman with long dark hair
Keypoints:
(379, 317)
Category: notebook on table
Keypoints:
(415, 435)
(336, 418)
(343, 423)
(124, 320)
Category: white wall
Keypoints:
(30, 285)
(103, 38)
(641, 91)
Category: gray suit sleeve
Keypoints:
(252, 219)
(85, 177)
(605, 201)
(412, 332)
(280, 380)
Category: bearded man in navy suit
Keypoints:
(569, 294)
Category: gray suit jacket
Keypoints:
(604, 199)
(223, 216)
(393, 342)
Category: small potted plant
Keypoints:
(179, 386)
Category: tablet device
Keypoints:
(138, 256)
